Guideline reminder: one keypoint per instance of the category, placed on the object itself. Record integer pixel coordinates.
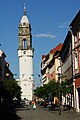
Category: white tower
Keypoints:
(25, 54)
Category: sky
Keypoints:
(49, 20)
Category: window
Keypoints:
(76, 61)
(23, 75)
(79, 35)
(24, 52)
(24, 43)
(24, 23)
(76, 39)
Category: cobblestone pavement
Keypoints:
(45, 114)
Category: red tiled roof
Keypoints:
(58, 47)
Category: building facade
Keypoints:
(70, 58)
(9, 75)
(25, 54)
(5, 72)
(67, 67)
(66, 57)
(75, 31)
(66, 62)
(2, 65)
(49, 65)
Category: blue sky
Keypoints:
(49, 20)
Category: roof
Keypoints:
(58, 47)
(68, 36)
(24, 18)
(6, 63)
(43, 56)
(53, 51)
(77, 15)
(2, 54)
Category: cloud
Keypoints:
(43, 35)
(64, 25)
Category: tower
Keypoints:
(25, 54)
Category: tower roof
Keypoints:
(24, 18)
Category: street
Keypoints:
(45, 114)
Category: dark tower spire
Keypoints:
(24, 9)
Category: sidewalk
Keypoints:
(65, 114)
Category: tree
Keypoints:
(46, 89)
(53, 88)
(66, 87)
(40, 92)
(11, 90)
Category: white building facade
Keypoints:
(25, 54)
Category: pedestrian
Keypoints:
(34, 106)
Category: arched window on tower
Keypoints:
(24, 43)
